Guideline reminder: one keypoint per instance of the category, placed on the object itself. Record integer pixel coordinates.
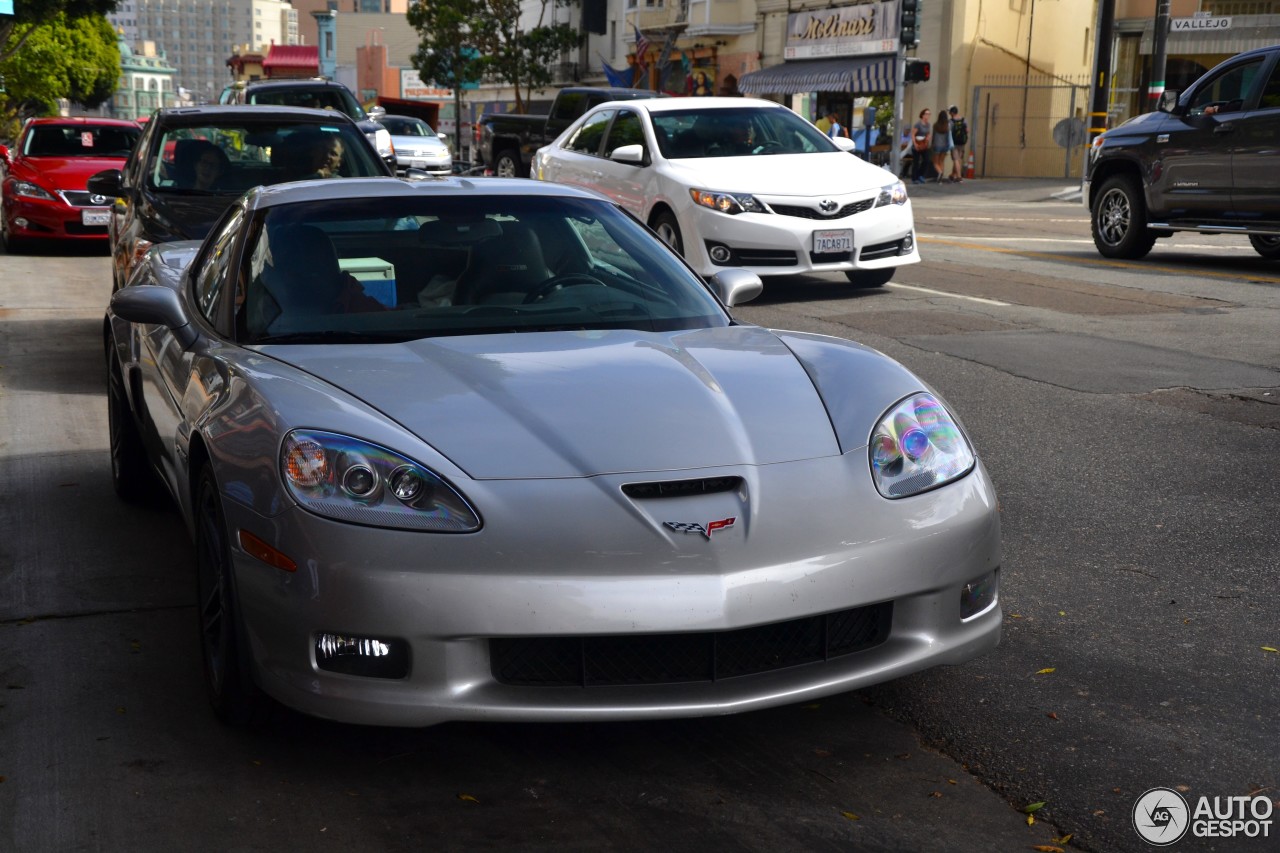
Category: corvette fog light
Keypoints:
(719, 253)
(367, 656)
(977, 596)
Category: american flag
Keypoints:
(642, 46)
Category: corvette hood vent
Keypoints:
(682, 488)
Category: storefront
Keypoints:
(831, 57)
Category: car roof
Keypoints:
(364, 188)
(79, 120)
(675, 105)
(294, 83)
(179, 116)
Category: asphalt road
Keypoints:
(1128, 414)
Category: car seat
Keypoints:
(503, 270)
(303, 278)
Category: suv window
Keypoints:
(1228, 92)
(1270, 99)
(315, 97)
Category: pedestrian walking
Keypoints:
(959, 139)
(941, 142)
(920, 133)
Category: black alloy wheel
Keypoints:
(232, 694)
(1119, 219)
(1266, 245)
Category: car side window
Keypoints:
(1270, 99)
(586, 139)
(626, 130)
(1228, 92)
(211, 276)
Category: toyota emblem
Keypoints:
(827, 205)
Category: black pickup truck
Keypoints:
(507, 140)
(1206, 161)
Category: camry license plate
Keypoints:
(830, 242)
(95, 217)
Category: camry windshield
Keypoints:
(736, 132)
(229, 158)
(396, 269)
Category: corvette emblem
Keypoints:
(827, 205)
(691, 527)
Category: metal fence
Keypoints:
(1029, 127)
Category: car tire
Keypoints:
(131, 474)
(12, 245)
(507, 164)
(1119, 219)
(668, 228)
(227, 671)
(1266, 245)
(870, 278)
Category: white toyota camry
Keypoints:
(740, 182)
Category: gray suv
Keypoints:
(1206, 162)
(317, 93)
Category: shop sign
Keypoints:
(412, 88)
(847, 31)
(1199, 23)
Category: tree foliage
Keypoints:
(28, 15)
(75, 58)
(469, 40)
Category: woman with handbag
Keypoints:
(921, 132)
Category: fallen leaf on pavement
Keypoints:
(468, 798)
(1047, 670)
(1031, 820)
(1269, 649)
(1034, 807)
(1051, 715)
(850, 815)
(1048, 848)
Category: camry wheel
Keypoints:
(507, 164)
(1267, 246)
(668, 229)
(1119, 219)
(131, 475)
(870, 278)
(230, 687)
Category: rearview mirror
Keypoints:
(107, 183)
(1168, 101)
(736, 286)
(633, 154)
(154, 305)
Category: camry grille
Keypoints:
(681, 658)
(812, 213)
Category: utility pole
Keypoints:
(1100, 112)
(1159, 51)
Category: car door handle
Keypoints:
(1225, 127)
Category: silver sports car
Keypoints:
(489, 450)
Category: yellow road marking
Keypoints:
(1098, 262)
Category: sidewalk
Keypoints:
(1010, 190)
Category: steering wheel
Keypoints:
(769, 147)
(560, 282)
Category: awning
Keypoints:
(857, 74)
(295, 56)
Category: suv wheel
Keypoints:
(507, 164)
(1119, 219)
(1268, 247)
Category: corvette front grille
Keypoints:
(681, 658)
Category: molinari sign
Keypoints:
(847, 31)
(1199, 22)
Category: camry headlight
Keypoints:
(727, 202)
(895, 193)
(30, 190)
(350, 480)
(917, 446)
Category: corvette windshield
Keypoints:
(398, 269)
(736, 132)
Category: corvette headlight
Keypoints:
(895, 193)
(350, 480)
(727, 202)
(30, 190)
(917, 446)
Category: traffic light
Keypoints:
(917, 71)
(909, 33)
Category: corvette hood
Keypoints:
(572, 404)
(780, 174)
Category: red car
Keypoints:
(44, 195)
